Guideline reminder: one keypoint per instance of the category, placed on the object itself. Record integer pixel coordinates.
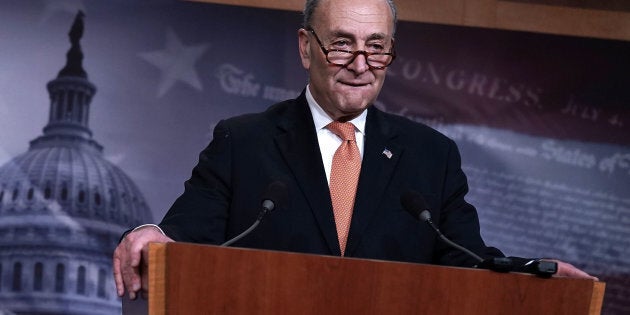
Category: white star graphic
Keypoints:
(176, 62)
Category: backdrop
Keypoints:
(542, 122)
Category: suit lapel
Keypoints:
(380, 156)
(299, 146)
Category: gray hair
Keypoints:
(309, 9)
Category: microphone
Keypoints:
(417, 207)
(275, 195)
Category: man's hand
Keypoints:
(570, 271)
(131, 260)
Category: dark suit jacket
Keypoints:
(223, 196)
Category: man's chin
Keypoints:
(355, 102)
(350, 108)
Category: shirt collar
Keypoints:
(321, 119)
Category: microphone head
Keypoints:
(268, 205)
(415, 204)
(275, 195)
(425, 215)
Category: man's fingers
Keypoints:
(132, 295)
(129, 260)
(568, 270)
(120, 286)
(134, 249)
(129, 278)
(129, 274)
(124, 272)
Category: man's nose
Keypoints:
(359, 63)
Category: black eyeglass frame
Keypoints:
(354, 53)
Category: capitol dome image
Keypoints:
(63, 208)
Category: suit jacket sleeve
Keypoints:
(200, 214)
(458, 219)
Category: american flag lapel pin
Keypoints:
(387, 153)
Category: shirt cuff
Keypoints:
(149, 225)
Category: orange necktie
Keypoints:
(344, 176)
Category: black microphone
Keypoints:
(274, 197)
(417, 207)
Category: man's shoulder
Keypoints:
(283, 111)
(409, 128)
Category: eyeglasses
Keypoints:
(340, 57)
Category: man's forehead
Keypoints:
(364, 16)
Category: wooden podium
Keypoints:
(201, 279)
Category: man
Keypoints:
(346, 46)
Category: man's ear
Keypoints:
(305, 48)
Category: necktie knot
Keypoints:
(344, 130)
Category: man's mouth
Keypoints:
(354, 84)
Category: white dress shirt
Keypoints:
(328, 141)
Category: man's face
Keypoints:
(346, 91)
